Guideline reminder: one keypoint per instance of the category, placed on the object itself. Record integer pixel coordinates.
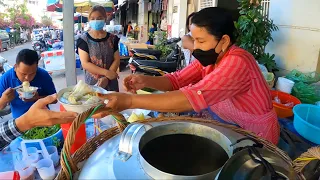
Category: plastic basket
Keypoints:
(282, 110)
(81, 137)
(307, 121)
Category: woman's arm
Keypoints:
(188, 75)
(116, 62)
(133, 83)
(90, 67)
(174, 101)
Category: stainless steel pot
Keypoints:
(135, 154)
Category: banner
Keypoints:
(169, 30)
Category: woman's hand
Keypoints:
(117, 102)
(111, 75)
(103, 82)
(40, 115)
(133, 83)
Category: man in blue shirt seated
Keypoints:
(25, 69)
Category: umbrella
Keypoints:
(78, 18)
(83, 6)
(54, 5)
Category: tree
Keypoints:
(255, 31)
(46, 21)
(18, 13)
(25, 21)
(2, 3)
(3, 23)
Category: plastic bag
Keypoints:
(305, 93)
(307, 78)
(264, 71)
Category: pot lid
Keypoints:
(256, 163)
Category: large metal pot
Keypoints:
(164, 150)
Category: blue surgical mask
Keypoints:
(97, 24)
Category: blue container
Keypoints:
(307, 121)
(78, 64)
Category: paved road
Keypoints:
(58, 78)
(11, 54)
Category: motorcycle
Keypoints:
(49, 42)
(39, 45)
(149, 62)
(4, 67)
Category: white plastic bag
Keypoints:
(264, 71)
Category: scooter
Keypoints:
(151, 64)
(39, 45)
(49, 42)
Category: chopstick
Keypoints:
(17, 87)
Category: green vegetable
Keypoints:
(41, 132)
(148, 89)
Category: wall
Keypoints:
(177, 19)
(143, 21)
(297, 43)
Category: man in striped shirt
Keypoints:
(224, 79)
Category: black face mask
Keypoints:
(206, 58)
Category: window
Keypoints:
(207, 3)
(265, 8)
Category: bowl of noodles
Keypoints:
(27, 91)
(80, 97)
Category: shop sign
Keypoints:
(175, 9)
(149, 6)
(169, 31)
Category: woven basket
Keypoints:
(87, 149)
(271, 83)
(301, 162)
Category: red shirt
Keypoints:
(236, 83)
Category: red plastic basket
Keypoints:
(282, 110)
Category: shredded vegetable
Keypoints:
(41, 132)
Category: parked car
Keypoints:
(5, 39)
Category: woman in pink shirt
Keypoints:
(224, 79)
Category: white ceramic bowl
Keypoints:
(27, 95)
(79, 108)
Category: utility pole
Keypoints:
(68, 38)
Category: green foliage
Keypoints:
(254, 32)
(46, 21)
(162, 44)
(268, 60)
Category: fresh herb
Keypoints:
(41, 132)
